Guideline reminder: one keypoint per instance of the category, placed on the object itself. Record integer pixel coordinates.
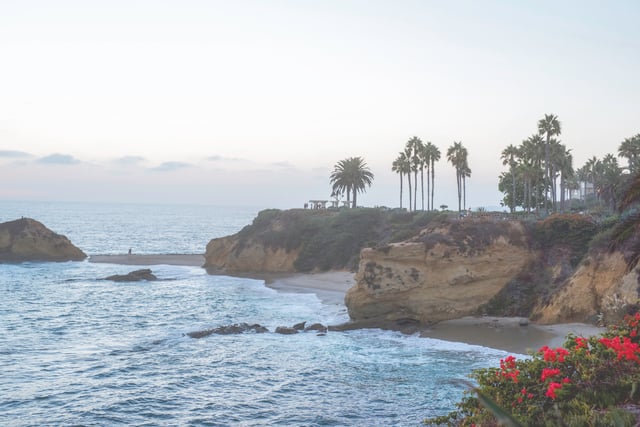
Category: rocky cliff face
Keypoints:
(446, 272)
(601, 289)
(29, 240)
(232, 255)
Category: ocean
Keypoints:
(78, 350)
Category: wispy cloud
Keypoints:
(13, 154)
(219, 158)
(58, 159)
(128, 160)
(283, 164)
(171, 166)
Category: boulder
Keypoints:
(285, 330)
(29, 240)
(319, 327)
(134, 276)
(240, 328)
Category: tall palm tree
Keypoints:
(401, 166)
(532, 153)
(425, 161)
(549, 126)
(415, 147)
(434, 155)
(457, 156)
(351, 175)
(408, 168)
(509, 156)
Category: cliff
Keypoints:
(29, 240)
(304, 240)
(446, 272)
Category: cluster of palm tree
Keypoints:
(417, 157)
(541, 173)
(350, 176)
(458, 155)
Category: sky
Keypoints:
(252, 103)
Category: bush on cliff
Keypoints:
(328, 239)
(587, 382)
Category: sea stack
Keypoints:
(29, 240)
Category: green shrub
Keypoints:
(587, 382)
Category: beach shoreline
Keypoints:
(511, 334)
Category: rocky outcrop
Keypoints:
(134, 276)
(238, 328)
(446, 272)
(602, 287)
(233, 255)
(29, 240)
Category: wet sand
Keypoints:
(194, 260)
(505, 333)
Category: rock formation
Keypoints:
(29, 240)
(446, 272)
(134, 276)
(232, 255)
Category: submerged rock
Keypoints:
(238, 328)
(285, 330)
(319, 327)
(29, 240)
(134, 276)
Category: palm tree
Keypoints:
(548, 126)
(425, 162)
(457, 156)
(509, 156)
(415, 147)
(351, 175)
(408, 169)
(434, 155)
(401, 166)
(630, 149)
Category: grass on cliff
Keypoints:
(330, 239)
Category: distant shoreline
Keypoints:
(503, 333)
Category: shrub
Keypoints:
(587, 382)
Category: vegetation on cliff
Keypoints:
(330, 239)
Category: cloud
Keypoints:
(171, 166)
(283, 164)
(128, 160)
(58, 159)
(13, 154)
(219, 158)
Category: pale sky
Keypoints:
(253, 102)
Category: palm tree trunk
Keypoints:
(422, 185)
(433, 181)
(400, 190)
(458, 181)
(415, 190)
(409, 181)
(513, 195)
(355, 193)
(464, 192)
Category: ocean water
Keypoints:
(77, 350)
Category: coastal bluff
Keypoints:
(26, 239)
(421, 268)
(446, 272)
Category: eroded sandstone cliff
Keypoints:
(446, 272)
(29, 240)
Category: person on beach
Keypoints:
(129, 251)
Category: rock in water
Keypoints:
(29, 240)
(285, 330)
(134, 276)
(229, 330)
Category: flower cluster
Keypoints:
(508, 369)
(625, 349)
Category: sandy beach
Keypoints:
(507, 333)
(194, 260)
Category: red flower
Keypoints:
(551, 390)
(548, 373)
(581, 343)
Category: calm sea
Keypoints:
(77, 350)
